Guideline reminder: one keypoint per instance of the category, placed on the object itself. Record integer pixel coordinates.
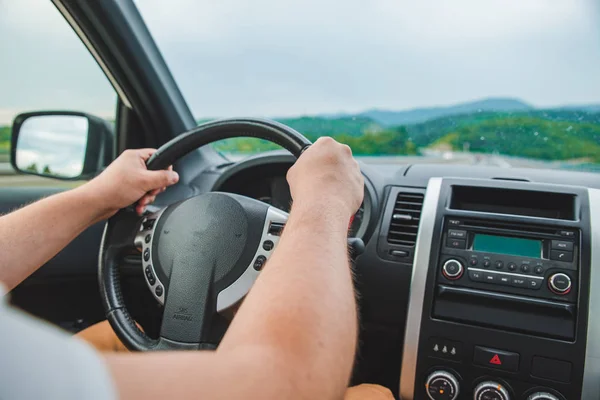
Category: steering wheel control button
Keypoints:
(511, 266)
(560, 255)
(146, 254)
(499, 264)
(456, 234)
(259, 262)
(475, 276)
(158, 291)
(456, 243)
(542, 396)
(497, 359)
(445, 348)
(147, 238)
(275, 228)
(442, 385)
(490, 390)
(560, 283)
(452, 269)
(268, 245)
(562, 245)
(148, 224)
(487, 263)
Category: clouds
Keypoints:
(275, 58)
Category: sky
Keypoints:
(276, 58)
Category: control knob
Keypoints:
(560, 283)
(452, 269)
(542, 396)
(490, 390)
(442, 385)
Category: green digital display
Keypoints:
(508, 245)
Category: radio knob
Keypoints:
(560, 283)
(542, 396)
(452, 269)
(490, 390)
(442, 385)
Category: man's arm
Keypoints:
(31, 236)
(295, 334)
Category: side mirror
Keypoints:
(61, 144)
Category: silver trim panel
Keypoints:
(505, 273)
(238, 289)
(417, 288)
(591, 371)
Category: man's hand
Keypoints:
(326, 173)
(127, 181)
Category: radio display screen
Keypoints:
(508, 245)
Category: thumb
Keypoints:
(160, 179)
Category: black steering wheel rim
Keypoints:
(119, 233)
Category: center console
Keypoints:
(500, 294)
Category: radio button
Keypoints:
(567, 233)
(560, 283)
(504, 280)
(456, 243)
(475, 276)
(452, 269)
(454, 222)
(525, 268)
(512, 266)
(473, 262)
(490, 277)
(499, 264)
(519, 282)
(533, 283)
(456, 234)
(486, 263)
(559, 255)
(562, 245)
(539, 269)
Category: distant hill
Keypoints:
(317, 126)
(418, 115)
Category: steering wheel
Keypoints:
(200, 255)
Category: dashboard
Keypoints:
(476, 283)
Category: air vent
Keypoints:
(405, 219)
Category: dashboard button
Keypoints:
(456, 243)
(499, 264)
(517, 281)
(490, 277)
(454, 222)
(398, 253)
(534, 283)
(512, 266)
(493, 358)
(567, 233)
(562, 245)
(559, 255)
(473, 262)
(456, 234)
(504, 280)
(475, 276)
(487, 263)
(525, 268)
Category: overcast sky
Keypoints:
(279, 58)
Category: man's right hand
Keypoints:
(326, 173)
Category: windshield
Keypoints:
(500, 82)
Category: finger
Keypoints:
(145, 154)
(155, 191)
(139, 209)
(160, 179)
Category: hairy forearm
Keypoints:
(303, 303)
(32, 235)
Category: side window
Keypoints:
(45, 66)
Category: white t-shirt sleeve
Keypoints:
(39, 361)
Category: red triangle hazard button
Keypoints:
(496, 360)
